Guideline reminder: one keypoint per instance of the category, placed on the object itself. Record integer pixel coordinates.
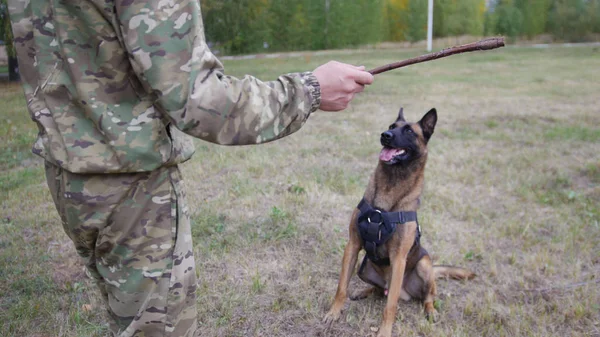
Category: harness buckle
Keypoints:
(380, 218)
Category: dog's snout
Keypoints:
(387, 136)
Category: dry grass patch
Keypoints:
(512, 192)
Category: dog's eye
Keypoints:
(409, 130)
(392, 126)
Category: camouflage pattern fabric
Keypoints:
(112, 83)
(133, 230)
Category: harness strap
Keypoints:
(376, 227)
(388, 217)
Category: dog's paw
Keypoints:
(432, 316)
(331, 316)
(384, 333)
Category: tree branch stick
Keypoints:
(486, 44)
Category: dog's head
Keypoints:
(405, 142)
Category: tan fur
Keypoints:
(392, 193)
(455, 273)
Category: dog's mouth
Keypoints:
(391, 155)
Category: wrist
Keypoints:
(313, 88)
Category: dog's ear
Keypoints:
(401, 115)
(427, 123)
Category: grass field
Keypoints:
(512, 192)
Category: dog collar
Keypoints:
(376, 227)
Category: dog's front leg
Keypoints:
(348, 264)
(398, 263)
(389, 313)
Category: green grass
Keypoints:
(3, 69)
(17, 132)
(578, 133)
(512, 192)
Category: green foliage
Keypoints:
(453, 18)
(572, 20)
(351, 23)
(394, 19)
(489, 24)
(565, 20)
(288, 27)
(273, 25)
(5, 29)
(237, 25)
(595, 13)
(535, 16)
(416, 18)
(509, 19)
(253, 26)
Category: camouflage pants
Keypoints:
(133, 231)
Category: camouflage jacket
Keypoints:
(112, 83)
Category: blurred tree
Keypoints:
(395, 17)
(508, 19)
(270, 25)
(458, 17)
(7, 37)
(470, 15)
(354, 23)
(571, 20)
(249, 26)
(595, 13)
(416, 20)
(284, 33)
(489, 23)
(239, 26)
(442, 10)
(535, 16)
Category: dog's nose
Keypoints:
(387, 136)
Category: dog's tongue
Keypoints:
(388, 153)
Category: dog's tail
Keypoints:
(455, 273)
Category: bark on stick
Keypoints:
(486, 44)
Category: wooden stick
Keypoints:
(486, 44)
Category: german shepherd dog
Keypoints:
(399, 267)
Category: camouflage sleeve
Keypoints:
(165, 39)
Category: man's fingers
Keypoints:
(339, 83)
(363, 77)
(353, 87)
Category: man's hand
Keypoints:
(339, 82)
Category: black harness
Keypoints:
(376, 227)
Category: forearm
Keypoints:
(227, 110)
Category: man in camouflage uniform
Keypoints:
(114, 87)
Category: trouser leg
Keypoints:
(134, 232)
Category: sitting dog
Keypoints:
(385, 225)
